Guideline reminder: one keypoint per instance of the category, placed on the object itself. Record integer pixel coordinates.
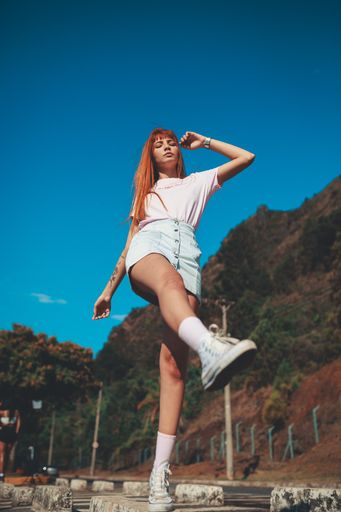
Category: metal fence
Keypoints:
(194, 449)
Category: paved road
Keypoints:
(6, 505)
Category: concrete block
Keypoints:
(52, 498)
(6, 490)
(203, 494)
(22, 495)
(297, 499)
(62, 482)
(136, 488)
(102, 486)
(101, 504)
(79, 484)
(117, 503)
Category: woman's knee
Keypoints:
(170, 280)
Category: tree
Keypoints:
(33, 366)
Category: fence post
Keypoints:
(145, 454)
(212, 448)
(252, 432)
(112, 459)
(186, 448)
(290, 445)
(271, 455)
(197, 450)
(177, 458)
(222, 446)
(237, 436)
(315, 424)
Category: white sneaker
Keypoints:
(159, 498)
(222, 357)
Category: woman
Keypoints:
(162, 260)
(9, 428)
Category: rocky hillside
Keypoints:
(282, 271)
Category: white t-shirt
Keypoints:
(185, 198)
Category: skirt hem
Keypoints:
(152, 297)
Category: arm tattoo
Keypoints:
(113, 275)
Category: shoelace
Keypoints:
(219, 335)
(160, 478)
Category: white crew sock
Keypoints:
(164, 447)
(191, 330)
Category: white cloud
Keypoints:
(118, 317)
(47, 299)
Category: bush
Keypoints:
(316, 242)
(284, 274)
(275, 410)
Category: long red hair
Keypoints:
(147, 173)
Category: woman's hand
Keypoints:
(192, 140)
(102, 307)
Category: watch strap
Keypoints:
(207, 142)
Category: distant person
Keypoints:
(162, 260)
(9, 429)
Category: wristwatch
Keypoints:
(207, 142)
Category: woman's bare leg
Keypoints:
(155, 273)
(2, 456)
(173, 368)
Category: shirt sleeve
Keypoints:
(208, 181)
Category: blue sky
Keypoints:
(83, 84)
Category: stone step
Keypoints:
(295, 499)
(199, 494)
(52, 498)
(120, 503)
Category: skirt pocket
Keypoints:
(195, 248)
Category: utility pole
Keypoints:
(53, 423)
(227, 399)
(225, 306)
(95, 444)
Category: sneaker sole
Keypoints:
(238, 359)
(160, 507)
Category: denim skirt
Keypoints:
(175, 240)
